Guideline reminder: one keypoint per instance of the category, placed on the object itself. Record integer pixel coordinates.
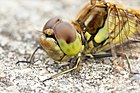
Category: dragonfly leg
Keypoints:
(31, 58)
(128, 62)
(118, 55)
(66, 71)
(105, 55)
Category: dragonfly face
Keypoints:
(60, 39)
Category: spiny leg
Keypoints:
(118, 55)
(128, 62)
(66, 71)
(104, 55)
(31, 58)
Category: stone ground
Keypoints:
(20, 24)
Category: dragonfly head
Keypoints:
(60, 39)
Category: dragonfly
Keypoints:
(101, 29)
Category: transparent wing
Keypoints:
(122, 33)
(123, 28)
(109, 24)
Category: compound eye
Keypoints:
(51, 23)
(48, 27)
(65, 31)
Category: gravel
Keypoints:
(20, 23)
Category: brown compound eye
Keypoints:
(65, 31)
(48, 27)
(60, 38)
(51, 23)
